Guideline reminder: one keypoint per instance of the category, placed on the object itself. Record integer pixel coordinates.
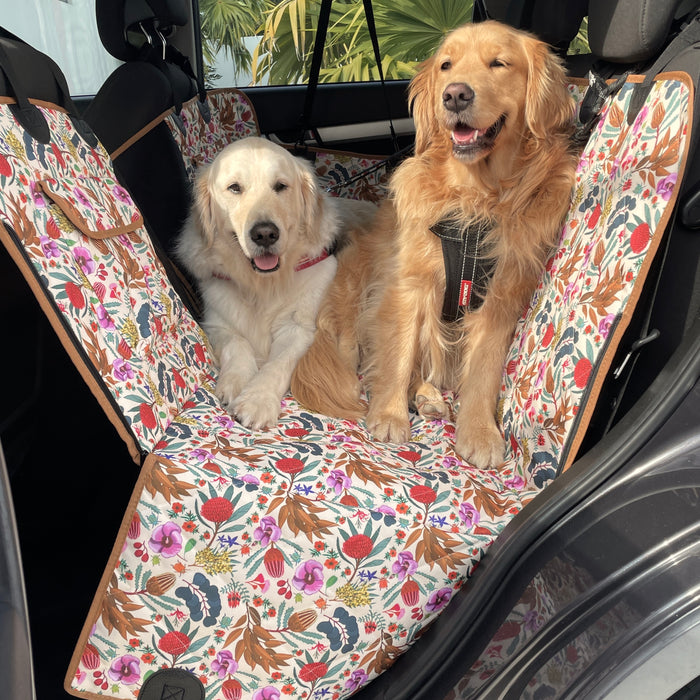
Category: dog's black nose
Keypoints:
(457, 96)
(264, 233)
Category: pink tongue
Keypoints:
(463, 134)
(266, 262)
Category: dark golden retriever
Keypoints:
(493, 150)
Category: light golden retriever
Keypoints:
(257, 241)
(493, 124)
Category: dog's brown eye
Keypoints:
(279, 187)
(446, 65)
(235, 188)
(498, 63)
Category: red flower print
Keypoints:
(148, 418)
(231, 689)
(90, 658)
(310, 673)
(640, 238)
(217, 510)
(174, 643)
(296, 432)
(358, 546)
(274, 562)
(410, 593)
(5, 167)
(422, 494)
(290, 465)
(593, 218)
(75, 295)
(582, 371)
(410, 455)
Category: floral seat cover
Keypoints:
(231, 116)
(302, 560)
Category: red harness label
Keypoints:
(465, 292)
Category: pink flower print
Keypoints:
(81, 197)
(531, 621)
(84, 259)
(308, 578)
(666, 185)
(338, 480)
(49, 247)
(468, 514)
(269, 692)
(224, 664)
(267, 531)
(122, 370)
(438, 599)
(121, 194)
(126, 669)
(103, 318)
(166, 540)
(605, 324)
(641, 118)
(405, 565)
(516, 482)
(357, 678)
(202, 455)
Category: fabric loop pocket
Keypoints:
(97, 209)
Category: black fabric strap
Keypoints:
(29, 115)
(467, 270)
(369, 14)
(689, 35)
(305, 119)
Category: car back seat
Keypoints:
(159, 124)
(306, 557)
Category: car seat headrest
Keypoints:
(552, 21)
(629, 31)
(122, 23)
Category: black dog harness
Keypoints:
(467, 271)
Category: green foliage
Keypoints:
(408, 32)
(224, 23)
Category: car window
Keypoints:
(66, 30)
(268, 42)
(280, 45)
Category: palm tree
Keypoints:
(224, 24)
(408, 32)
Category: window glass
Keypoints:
(66, 30)
(271, 42)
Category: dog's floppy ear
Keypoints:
(549, 106)
(320, 223)
(204, 215)
(420, 98)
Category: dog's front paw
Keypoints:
(387, 427)
(228, 387)
(480, 444)
(256, 409)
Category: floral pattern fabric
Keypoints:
(232, 117)
(110, 291)
(625, 184)
(557, 584)
(302, 560)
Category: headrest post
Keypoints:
(162, 39)
(149, 38)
